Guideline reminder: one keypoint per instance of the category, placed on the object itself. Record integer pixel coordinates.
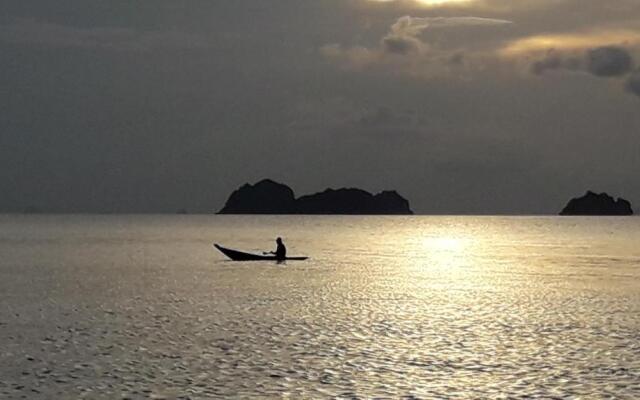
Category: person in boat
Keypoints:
(281, 251)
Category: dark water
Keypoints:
(387, 307)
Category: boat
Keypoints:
(236, 255)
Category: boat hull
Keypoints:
(236, 255)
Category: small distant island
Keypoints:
(269, 197)
(597, 204)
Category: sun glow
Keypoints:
(432, 2)
(446, 246)
(441, 2)
(447, 252)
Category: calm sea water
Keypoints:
(387, 307)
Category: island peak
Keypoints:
(263, 197)
(593, 203)
(270, 197)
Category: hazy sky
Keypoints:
(487, 106)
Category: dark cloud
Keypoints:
(552, 61)
(555, 60)
(457, 59)
(604, 62)
(633, 83)
(402, 45)
(609, 61)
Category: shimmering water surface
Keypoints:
(387, 307)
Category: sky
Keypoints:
(463, 106)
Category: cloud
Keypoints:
(401, 44)
(30, 31)
(404, 48)
(403, 37)
(355, 58)
(633, 83)
(569, 42)
(605, 61)
(609, 61)
(413, 26)
(555, 60)
(601, 62)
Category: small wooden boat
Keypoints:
(236, 255)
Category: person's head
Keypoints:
(279, 240)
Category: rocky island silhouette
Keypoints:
(597, 204)
(270, 197)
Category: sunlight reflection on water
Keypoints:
(420, 307)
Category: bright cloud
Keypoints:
(570, 41)
(406, 49)
(413, 26)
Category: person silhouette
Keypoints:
(281, 251)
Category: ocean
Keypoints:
(461, 307)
